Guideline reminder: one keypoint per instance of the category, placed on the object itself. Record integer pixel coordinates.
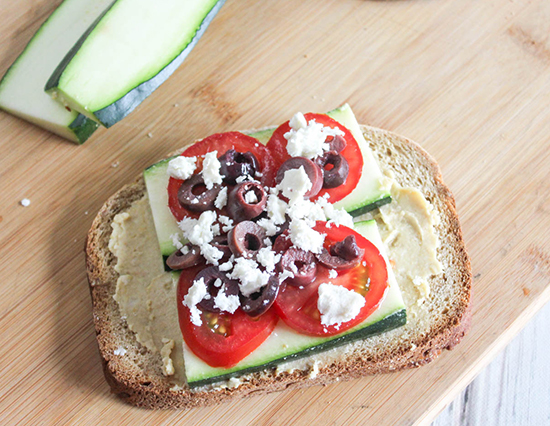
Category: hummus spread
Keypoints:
(146, 293)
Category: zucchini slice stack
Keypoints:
(98, 60)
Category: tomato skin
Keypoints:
(221, 142)
(352, 153)
(217, 350)
(298, 307)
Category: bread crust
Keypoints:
(137, 377)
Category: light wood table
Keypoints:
(514, 389)
(467, 79)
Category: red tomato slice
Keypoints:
(221, 142)
(298, 307)
(352, 153)
(223, 339)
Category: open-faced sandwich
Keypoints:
(316, 251)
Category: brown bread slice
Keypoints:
(137, 376)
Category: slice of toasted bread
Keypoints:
(136, 375)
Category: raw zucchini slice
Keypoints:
(127, 53)
(22, 88)
(285, 345)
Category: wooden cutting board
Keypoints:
(467, 79)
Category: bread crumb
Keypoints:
(149, 135)
(25, 202)
(526, 291)
(114, 164)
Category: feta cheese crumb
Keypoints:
(196, 293)
(25, 202)
(269, 226)
(226, 303)
(211, 253)
(227, 223)
(176, 241)
(295, 184)
(308, 140)
(268, 258)
(211, 169)
(250, 197)
(332, 274)
(182, 167)
(250, 276)
(306, 238)
(227, 266)
(276, 208)
(199, 231)
(221, 199)
(120, 351)
(337, 304)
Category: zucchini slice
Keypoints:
(22, 88)
(128, 53)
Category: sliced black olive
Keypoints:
(194, 196)
(178, 260)
(313, 171)
(246, 238)
(301, 263)
(337, 143)
(335, 169)
(258, 303)
(345, 254)
(235, 164)
(347, 248)
(246, 201)
(211, 276)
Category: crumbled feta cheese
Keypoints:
(309, 140)
(218, 282)
(227, 223)
(120, 351)
(227, 266)
(298, 121)
(276, 208)
(25, 202)
(250, 276)
(269, 226)
(307, 210)
(337, 216)
(295, 184)
(182, 167)
(337, 304)
(199, 231)
(332, 274)
(306, 238)
(284, 275)
(221, 199)
(211, 253)
(268, 258)
(250, 197)
(176, 241)
(196, 293)
(211, 169)
(226, 303)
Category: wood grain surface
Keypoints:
(467, 79)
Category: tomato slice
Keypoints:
(298, 307)
(352, 153)
(221, 142)
(223, 339)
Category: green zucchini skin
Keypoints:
(395, 320)
(119, 109)
(372, 206)
(83, 128)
